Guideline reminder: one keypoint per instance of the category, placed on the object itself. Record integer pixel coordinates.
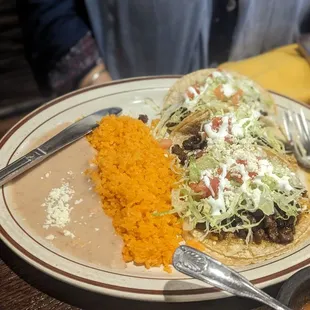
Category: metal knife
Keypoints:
(67, 136)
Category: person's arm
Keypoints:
(59, 45)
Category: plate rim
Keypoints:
(92, 284)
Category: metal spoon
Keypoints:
(202, 267)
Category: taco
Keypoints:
(210, 90)
(244, 201)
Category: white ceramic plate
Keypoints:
(133, 282)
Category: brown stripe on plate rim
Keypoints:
(16, 246)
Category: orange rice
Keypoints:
(134, 179)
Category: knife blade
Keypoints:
(67, 136)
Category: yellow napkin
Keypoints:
(283, 70)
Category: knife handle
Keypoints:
(21, 165)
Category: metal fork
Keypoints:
(298, 133)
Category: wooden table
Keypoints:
(25, 288)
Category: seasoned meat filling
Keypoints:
(177, 150)
(144, 118)
(270, 228)
(194, 143)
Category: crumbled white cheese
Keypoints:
(58, 207)
(68, 233)
(96, 229)
(78, 201)
(50, 237)
(70, 172)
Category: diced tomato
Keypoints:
(217, 123)
(189, 94)
(236, 177)
(197, 88)
(229, 139)
(201, 188)
(165, 143)
(236, 97)
(218, 93)
(252, 174)
(214, 183)
(242, 162)
(204, 190)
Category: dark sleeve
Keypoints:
(55, 37)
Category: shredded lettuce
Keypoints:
(250, 196)
(194, 172)
(240, 199)
(206, 162)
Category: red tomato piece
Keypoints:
(242, 161)
(214, 183)
(216, 123)
(189, 94)
(197, 88)
(236, 97)
(204, 190)
(252, 174)
(218, 93)
(201, 188)
(165, 143)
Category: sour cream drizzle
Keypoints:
(264, 168)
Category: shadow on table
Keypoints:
(88, 300)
